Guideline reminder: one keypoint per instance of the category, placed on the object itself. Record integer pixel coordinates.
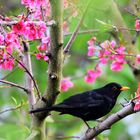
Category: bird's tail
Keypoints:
(41, 110)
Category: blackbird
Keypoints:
(89, 105)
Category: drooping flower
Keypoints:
(40, 56)
(116, 66)
(91, 50)
(92, 75)
(91, 41)
(66, 83)
(91, 47)
(138, 59)
(137, 24)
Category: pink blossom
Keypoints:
(91, 50)
(8, 64)
(137, 96)
(137, 25)
(40, 3)
(120, 50)
(105, 45)
(39, 56)
(25, 2)
(42, 47)
(42, 56)
(28, 3)
(46, 58)
(113, 43)
(116, 66)
(41, 29)
(92, 75)
(1, 39)
(9, 49)
(12, 40)
(66, 4)
(66, 83)
(65, 26)
(104, 60)
(10, 37)
(138, 58)
(19, 28)
(137, 105)
(46, 40)
(37, 14)
(31, 31)
(91, 41)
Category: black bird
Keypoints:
(89, 105)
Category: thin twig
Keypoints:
(67, 48)
(68, 137)
(10, 23)
(14, 85)
(83, 32)
(35, 84)
(11, 109)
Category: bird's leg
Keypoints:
(86, 124)
(127, 102)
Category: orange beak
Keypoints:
(124, 88)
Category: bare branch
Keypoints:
(68, 137)
(29, 82)
(11, 109)
(13, 85)
(28, 72)
(83, 32)
(10, 23)
(107, 123)
(67, 48)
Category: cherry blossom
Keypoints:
(92, 75)
(137, 96)
(138, 59)
(137, 24)
(66, 83)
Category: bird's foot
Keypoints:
(127, 103)
(88, 130)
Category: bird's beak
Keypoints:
(124, 88)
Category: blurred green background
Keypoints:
(15, 125)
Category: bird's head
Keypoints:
(114, 89)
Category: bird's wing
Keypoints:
(87, 99)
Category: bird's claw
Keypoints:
(88, 130)
(128, 103)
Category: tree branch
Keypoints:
(54, 71)
(14, 85)
(67, 48)
(11, 109)
(10, 23)
(107, 123)
(83, 32)
(28, 72)
(29, 82)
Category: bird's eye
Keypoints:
(114, 88)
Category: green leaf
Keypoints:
(14, 99)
